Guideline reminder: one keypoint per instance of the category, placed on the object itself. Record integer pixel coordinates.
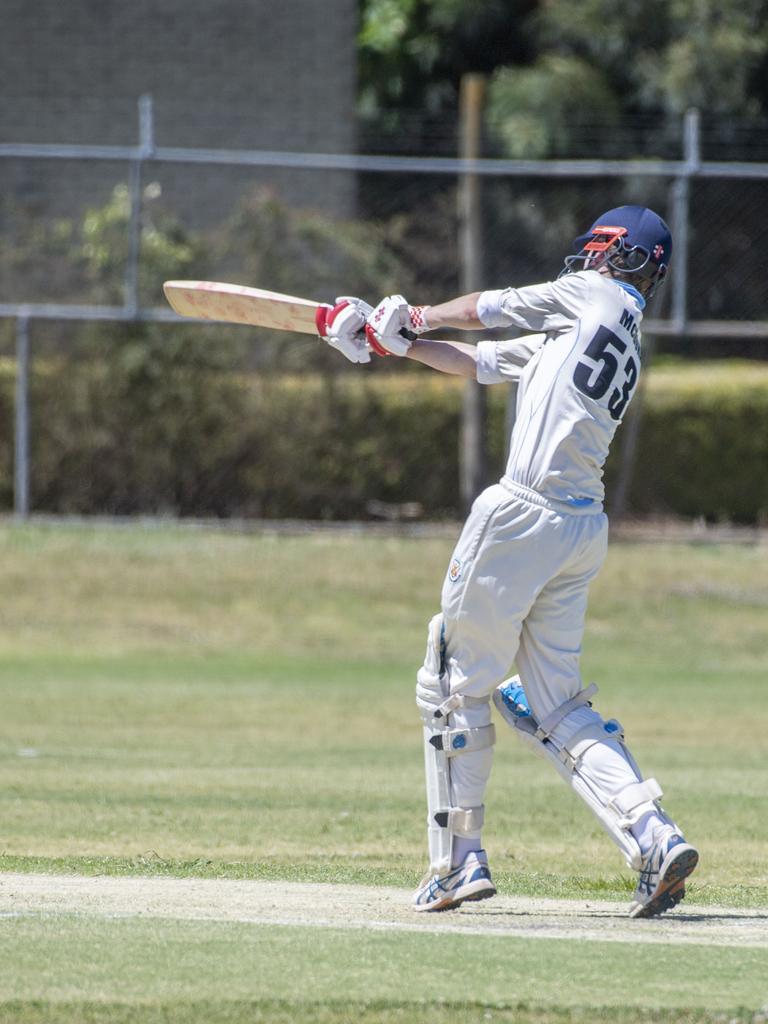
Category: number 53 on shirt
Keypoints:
(605, 373)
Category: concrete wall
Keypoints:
(239, 74)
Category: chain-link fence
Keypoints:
(90, 232)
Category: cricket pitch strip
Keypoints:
(311, 905)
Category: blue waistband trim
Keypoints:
(580, 502)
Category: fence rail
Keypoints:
(146, 153)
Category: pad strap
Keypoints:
(462, 741)
(632, 798)
(577, 746)
(457, 700)
(554, 718)
(461, 820)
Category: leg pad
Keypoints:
(453, 807)
(590, 754)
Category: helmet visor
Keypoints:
(609, 242)
(601, 238)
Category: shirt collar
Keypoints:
(632, 291)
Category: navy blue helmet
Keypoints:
(633, 241)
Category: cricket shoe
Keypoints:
(471, 880)
(662, 877)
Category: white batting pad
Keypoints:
(458, 737)
(590, 754)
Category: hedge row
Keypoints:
(160, 428)
(703, 446)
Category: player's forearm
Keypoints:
(447, 356)
(460, 313)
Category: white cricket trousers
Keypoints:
(516, 591)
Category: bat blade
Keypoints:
(237, 304)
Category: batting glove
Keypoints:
(343, 327)
(393, 325)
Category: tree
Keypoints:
(538, 110)
(557, 65)
(602, 63)
(167, 248)
(667, 55)
(414, 52)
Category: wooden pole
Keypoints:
(21, 431)
(472, 455)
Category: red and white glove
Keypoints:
(393, 325)
(343, 327)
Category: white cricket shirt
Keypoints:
(576, 379)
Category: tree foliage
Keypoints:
(534, 109)
(414, 52)
(667, 55)
(167, 249)
(556, 64)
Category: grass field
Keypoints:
(198, 704)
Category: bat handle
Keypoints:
(410, 335)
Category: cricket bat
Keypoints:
(237, 304)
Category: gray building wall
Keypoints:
(235, 74)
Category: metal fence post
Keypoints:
(145, 151)
(681, 214)
(681, 195)
(21, 421)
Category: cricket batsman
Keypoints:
(515, 590)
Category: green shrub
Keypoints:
(703, 446)
(172, 424)
(154, 428)
(326, 449)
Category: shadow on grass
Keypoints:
(270, 1012)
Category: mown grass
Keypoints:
(151, 961)
(202, 702)
(187, 702)
(342, 1011)
(296, 768)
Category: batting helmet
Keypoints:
(633, 241)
